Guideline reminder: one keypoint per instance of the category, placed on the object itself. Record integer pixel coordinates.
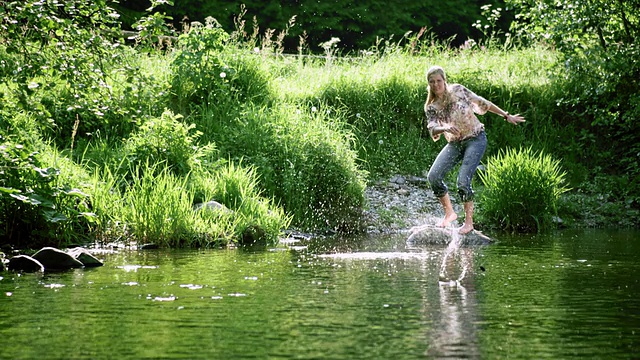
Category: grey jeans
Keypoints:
(470, 152)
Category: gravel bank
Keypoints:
(399, 203)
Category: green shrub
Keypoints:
(67, 67)
(169, 141)
(208, 71)
(602, 201)
(304, 158)
(39, 203)
(249, 79)
(522, 189)
(198, 70)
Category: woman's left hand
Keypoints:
(515, 119)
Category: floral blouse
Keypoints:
(460, 113)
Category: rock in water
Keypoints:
(25, 263)
(429, 235)
(212, 205)
(435, 235)
(54, 259)
(85, 257)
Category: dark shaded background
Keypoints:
(358, 25)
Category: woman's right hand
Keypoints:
(451, 129)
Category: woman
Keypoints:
(450, 110)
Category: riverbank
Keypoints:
(399, 203)
(282, 142)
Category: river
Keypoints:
(564, 295)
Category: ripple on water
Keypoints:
(135, 268)
(381, 256)
(191, 286)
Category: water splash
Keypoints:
(378, 255)
(448, 265)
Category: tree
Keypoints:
(573, 25)
(359, 25)
(597, 38)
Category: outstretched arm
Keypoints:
(514, 119)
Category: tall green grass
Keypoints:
(382, 96)
(522, 189)
(158, 206)
(304, 158)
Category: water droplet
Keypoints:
(54, 286)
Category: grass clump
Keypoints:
(303, 156)
(522, 189)
(147, 191)
(161, 207)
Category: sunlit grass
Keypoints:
(158, 207)
(522, 189)
(285, 140)
(382, 97)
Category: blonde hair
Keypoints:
(446, 99)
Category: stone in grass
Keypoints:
(55, 259)
(435, 235)
(85, 257)
(24, 263)
(213, 206)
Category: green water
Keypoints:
(560, 296)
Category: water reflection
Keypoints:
(566, 295)
(448, 302)
(454, 332)
(455, 259)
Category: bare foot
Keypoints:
(448, 219)
(465, 229)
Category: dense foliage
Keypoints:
(37, 202)
(139, 170)
(597, 40)
(358, 25)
